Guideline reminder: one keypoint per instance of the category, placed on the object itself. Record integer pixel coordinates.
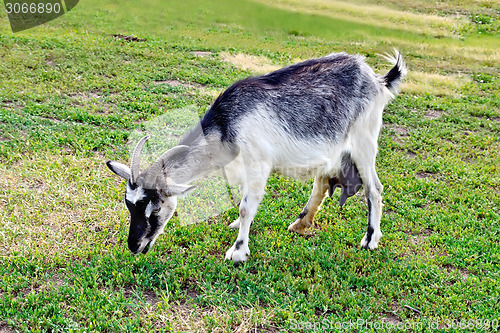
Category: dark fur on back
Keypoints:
(317, 98)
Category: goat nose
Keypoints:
(133, 246)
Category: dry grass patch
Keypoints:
(433, 114)
(450, 56)
(418, 247)
(174, 83)
(449, 7)
(202, 54)
(191, 86)
(421, 237)
(391, 319)
(85, 97)
(186, 317)
(57, 205)
(92, 100)
(465, 55)
(214, 93)
(5, 328)
(420, 83)
(255, 64)
(375, 15)
(400, 130)
(463, 272)
(425, 174)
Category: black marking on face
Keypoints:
(132, 186)
(142, 226)
(348, 180)
(154, 224)
(238, 244)
(303, 213)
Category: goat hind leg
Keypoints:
(373, 191)
(306, 217)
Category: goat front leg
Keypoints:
(252, 196)
(306, 217)
(373, 191)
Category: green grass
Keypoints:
(72, 95)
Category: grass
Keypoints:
(75, 91)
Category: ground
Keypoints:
(74, 90)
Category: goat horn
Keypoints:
(135, 166)
(156, 168)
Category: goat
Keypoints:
(319, 118)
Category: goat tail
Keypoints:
(393, 79)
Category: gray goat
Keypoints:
(319, 118)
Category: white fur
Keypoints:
(149, 209)
(135, 195)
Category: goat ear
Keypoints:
(120, 169)
(178, 190)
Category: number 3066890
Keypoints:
(33, 8)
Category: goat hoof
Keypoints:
(298, 227)
(235, 224)
(373, 244)
(239, 255)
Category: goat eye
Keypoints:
(156, 210)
